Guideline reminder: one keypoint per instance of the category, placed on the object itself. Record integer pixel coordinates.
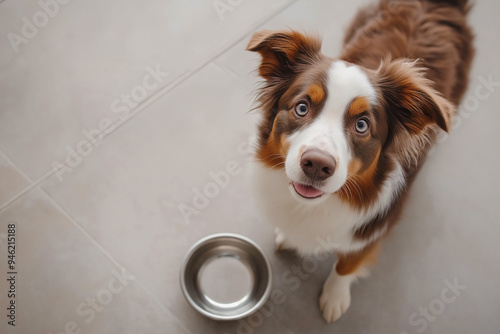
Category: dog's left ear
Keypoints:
(411, 100)
(282, 51)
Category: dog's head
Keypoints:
(336, 127)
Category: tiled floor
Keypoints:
(162, 90)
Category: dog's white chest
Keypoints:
(327, 226)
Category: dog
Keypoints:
(340, 140)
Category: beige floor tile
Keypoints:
(129, 191)
(64, 282)
(11, 180)
(326, 19)
(90, 63)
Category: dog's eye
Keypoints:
(362, 125)
(301, 109)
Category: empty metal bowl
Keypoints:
(226, 276)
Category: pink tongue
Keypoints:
(307, 191)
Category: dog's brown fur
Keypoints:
(434, 32)
(416, 53)
(382, 38)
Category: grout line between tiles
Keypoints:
(6, 157)
(27, 189)
(224, 68)
(186, 75)
(157, 95)
(111, 258)
(61, 209)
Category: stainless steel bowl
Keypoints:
(226, 276)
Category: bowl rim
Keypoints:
(203, 241)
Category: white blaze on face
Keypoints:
(327, 132)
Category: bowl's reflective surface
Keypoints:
(226, 276)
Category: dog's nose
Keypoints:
(317, 164)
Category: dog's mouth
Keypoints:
(307, 191)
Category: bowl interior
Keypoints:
(226, 277)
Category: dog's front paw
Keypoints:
(336, 297)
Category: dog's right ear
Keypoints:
(282, 51)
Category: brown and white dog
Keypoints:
(341, 139)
